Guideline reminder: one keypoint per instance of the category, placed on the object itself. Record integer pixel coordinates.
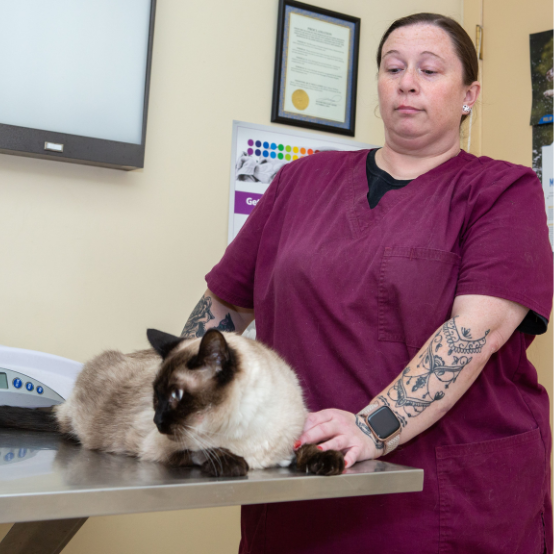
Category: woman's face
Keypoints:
(421, 91)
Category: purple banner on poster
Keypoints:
(245, 201)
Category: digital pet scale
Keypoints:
(32, 379)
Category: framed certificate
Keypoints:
(316, 68)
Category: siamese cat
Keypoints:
(222, 401)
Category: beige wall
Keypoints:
(501, 127)
(92, 257)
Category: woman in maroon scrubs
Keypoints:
(408, 280)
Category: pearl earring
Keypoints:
(466, 108)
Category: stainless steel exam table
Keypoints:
(49, 487)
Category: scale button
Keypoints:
(9, 456)
(29, 386)
(40, 390)
(22, 453)
(17, 383)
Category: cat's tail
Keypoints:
(29, 419)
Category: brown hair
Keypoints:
(463, 46)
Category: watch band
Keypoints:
(390, 442)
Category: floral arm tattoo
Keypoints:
(439, 365)
(201, 316)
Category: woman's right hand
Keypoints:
(334, 429)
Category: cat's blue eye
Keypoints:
(177, 394)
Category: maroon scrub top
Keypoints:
(348, 294)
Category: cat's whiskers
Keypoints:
(207, 449)
(207, 433)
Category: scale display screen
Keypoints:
(3, 381)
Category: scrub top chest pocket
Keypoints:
(416, 293)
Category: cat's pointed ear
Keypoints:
(163, 343)
(213, 350)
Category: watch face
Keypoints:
(383, 422)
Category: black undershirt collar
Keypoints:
(379, 181)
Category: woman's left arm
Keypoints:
(441, 372)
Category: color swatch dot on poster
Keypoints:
(271, 150)
(287, 157)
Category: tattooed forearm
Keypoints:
(462, 342)
(438, 367)
(400, 417)
(365, 429)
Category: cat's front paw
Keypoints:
(180, 458)
(221, 462)
(310, 459)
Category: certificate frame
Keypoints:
(306, 113)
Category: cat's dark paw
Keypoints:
(310, 459)
(180, 458)
(221, 462)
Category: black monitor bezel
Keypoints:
(28, 142)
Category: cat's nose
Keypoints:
(158, 421)
(161, 421)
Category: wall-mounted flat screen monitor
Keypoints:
(75, 79)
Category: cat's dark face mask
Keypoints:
(176, 402)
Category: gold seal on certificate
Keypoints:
(316, 68)
(300, 99)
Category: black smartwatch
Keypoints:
(383, 424)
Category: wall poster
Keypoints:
(542, 77)
(258, 152)
(543, 164)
